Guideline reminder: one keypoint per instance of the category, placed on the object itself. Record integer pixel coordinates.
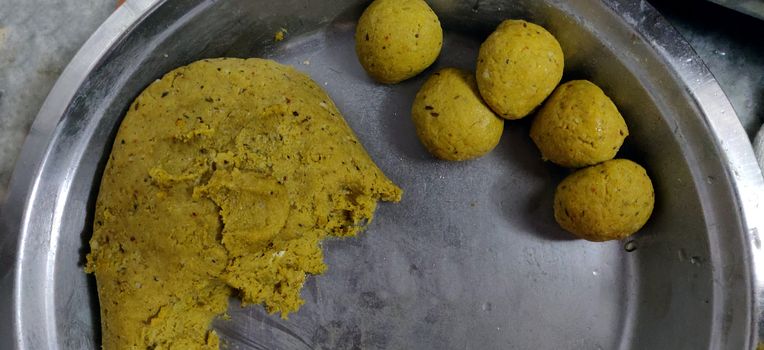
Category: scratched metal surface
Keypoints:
(471, 258)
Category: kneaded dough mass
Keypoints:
(223, 179)
(397, 39)
(604, 202)
(578, 126)
(518, 67)
(451, 120)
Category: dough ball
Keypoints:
(578, 126)
(604, 202)
(451, 120)
(397, 39)
(518, 67)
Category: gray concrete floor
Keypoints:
(37, 40)
(732, 46)
(39, 37)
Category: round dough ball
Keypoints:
(604, 202)
(397, 39)
(578, 126)
(518, 67)
(451, 120)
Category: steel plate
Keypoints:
(471, 258)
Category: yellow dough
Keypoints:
(397, 39)
(224, 177)
(578, 126)
(604, 202)
(451, 120)
(518, 67)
